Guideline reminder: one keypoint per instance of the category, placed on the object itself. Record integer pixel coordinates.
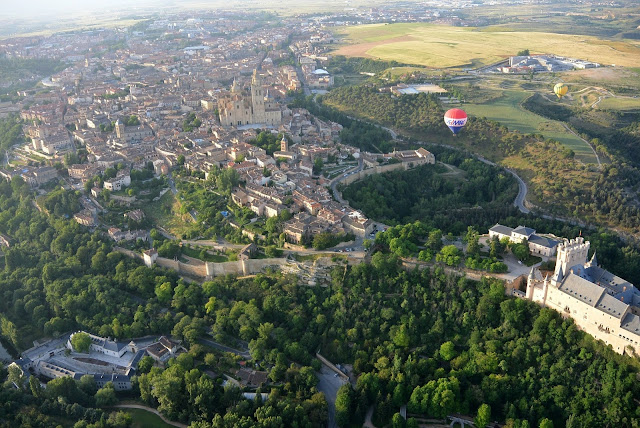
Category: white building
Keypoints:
(123, 179)
(538, 244)
(600, 303)
(102, 345)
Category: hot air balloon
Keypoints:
(560, 89)
(455, 119)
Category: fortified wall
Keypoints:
(380, 169)
(209, 269)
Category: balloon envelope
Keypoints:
(560, 89)
(455, 119)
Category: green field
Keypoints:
(508, 111)
(145, 419)
(445, 46)
(165, 213)
(626, 104)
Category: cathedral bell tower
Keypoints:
(257, 98)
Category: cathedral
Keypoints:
(600, 303)
(238, 108)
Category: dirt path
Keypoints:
(588, 143)
(152, 410)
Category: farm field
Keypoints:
(507, 111)
(445, 46)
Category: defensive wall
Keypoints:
(380, 169)
(211, 269)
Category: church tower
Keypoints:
(119, 129)
(257, 98)
(235, 88)
(284, 144)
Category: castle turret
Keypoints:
(545, 289)
(570, 253)
(530, 284)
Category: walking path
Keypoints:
(588, 143)
(152, 410)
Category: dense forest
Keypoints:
(10, 132)
(440, 343)
(57, 277)
(478, 193)
(339, 64)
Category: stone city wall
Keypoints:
(380, 169)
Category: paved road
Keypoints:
(522, 193)
(338, 179)
(329, 384)
(305, 88)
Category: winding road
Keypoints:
(522, 193)
(338, 179)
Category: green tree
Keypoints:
(81, 342)
(483, 417)
(520, 251)
(106, 396)
(145, 364)
(448, 351)
(546, 423)
(36, 388)
(343, 405)
(449, 255)
(397, 421)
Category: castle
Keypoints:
(237, 108)
(601, 304)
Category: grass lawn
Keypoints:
(507, 111)
(165, 213)
(444, 46)
(195, 253)
(144, 419)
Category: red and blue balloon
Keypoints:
(455, 119)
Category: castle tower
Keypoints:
(284, 145)
(530, 284)
(570, 253)
(545, 289)
(119, 129)
(257, 98)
